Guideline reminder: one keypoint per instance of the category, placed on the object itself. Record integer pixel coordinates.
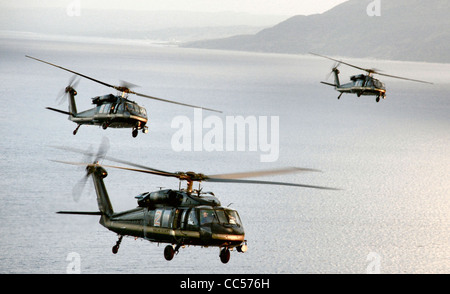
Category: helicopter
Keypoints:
(180, 217)
(110, 111)
(362, 84)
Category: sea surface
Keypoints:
(390, 160)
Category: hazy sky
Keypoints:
(281, 7)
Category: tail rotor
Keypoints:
(73, 82)
(89, 158)
(333, 69)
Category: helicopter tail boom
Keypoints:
(329, 84)
(60, 111)
(104, 204)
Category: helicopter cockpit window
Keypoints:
(378, 84)
(130, 108)
(143, 111)
(222, 216)
(207, 216)
(228, 216)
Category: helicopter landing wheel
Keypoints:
(378, 99)
(105, 125)
(224, 255)
(134, 133)
(169, 252)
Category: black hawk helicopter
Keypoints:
(180, 217)
(110, 111)
(361, 84)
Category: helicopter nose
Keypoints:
(229, 233)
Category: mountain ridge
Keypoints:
(411, 30)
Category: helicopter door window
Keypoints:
(165, 218)
(192, 221)
(105, 108)
(119, 108)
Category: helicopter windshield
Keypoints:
(136, 109)
(221, 216)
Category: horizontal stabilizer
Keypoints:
(329, 84)
(81, 212)
(60, 111)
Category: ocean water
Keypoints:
(391, 161)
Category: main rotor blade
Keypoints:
(190, 176)
(402, 78)
(124, 88)
(158, 173)
(81, 151)
(340, 61)
(74, 72)
(372, 70)
(241, 175)
(173, 102)
(266, 183)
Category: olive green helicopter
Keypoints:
(362, 84)
(110, 111)
(180, 217)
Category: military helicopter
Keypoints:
(361, 84)
(180, 217)
(110, 111)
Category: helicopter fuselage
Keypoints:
(361, 85)
(111, 111)
(176, 217)
(198, 225)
